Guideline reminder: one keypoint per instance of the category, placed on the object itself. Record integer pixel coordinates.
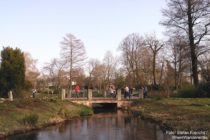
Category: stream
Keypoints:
(108, 125)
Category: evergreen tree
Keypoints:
(12, 70)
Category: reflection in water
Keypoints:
(102, 126)
(29, 136)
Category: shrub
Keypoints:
(86, 111)
(203, 90)
(31, 119)
(155, 87)
(187, 92)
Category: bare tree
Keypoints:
(180, 57)
(155, 46)
(92, 64)
(119, 80)
(55, 74)
(145, 64)
(110, 64)
(131, 47)
(31, 72)
(192, 18)
(205, 67)
(99, 76)
(79, 76)
(73, 54)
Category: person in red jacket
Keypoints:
(77, 89)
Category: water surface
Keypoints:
(119, 125)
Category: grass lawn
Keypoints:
(25, 114)
(176, 113)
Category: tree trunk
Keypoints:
(153, 69)
(71, 68)
(175, 74)
(70, 86)
(161, 73)
(194, 59)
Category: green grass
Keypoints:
(177, 113)
(23, 114)
(31, 119)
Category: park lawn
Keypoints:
(176, 113)
(27, 114)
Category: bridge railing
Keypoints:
(116, 97)
(80, 94)
(84, 94)
(90, 93)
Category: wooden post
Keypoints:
(119, 97)
(63, 94)
(90, 95)
(10, 96)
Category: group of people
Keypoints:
(128, 92)
(112, 92)
(77, 90)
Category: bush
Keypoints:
(31, 119)
(187, 92)
(155, 87)
(86, 111)
(203, 90)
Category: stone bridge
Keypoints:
(90, 100)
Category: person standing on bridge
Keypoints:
(126, 94)
(145, 91)
(34, 93)
(77, 89)
(112, 91)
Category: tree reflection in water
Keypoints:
(119, 125)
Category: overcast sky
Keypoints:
(38, 26)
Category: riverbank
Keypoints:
(176, 114)
(23, 115)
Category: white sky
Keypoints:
(38, 26)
